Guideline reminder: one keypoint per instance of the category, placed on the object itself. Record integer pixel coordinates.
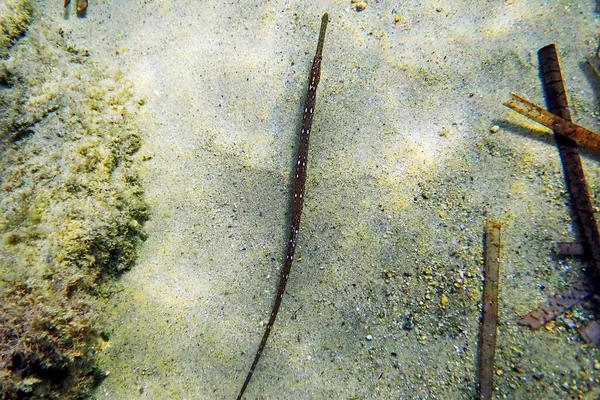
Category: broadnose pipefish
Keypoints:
(298, 200)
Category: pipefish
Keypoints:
(298, 200)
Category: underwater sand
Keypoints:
(403, 172)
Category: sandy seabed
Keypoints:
(403, 172)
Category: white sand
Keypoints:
(402, 174)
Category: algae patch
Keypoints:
(71, 205)
(15, 16)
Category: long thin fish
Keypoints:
(300, 179)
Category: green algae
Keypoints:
(71, 206)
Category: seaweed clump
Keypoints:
(71, 206)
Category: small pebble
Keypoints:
(361, 6)
(369, 337)
(494, 128)
(570, 323)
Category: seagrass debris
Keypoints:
(489, 326)
(582, 136)
(595, 63)
(591, 333)
(570, 249)
(556, 99)
(558, 118)
(80, 4)
(559, 303)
